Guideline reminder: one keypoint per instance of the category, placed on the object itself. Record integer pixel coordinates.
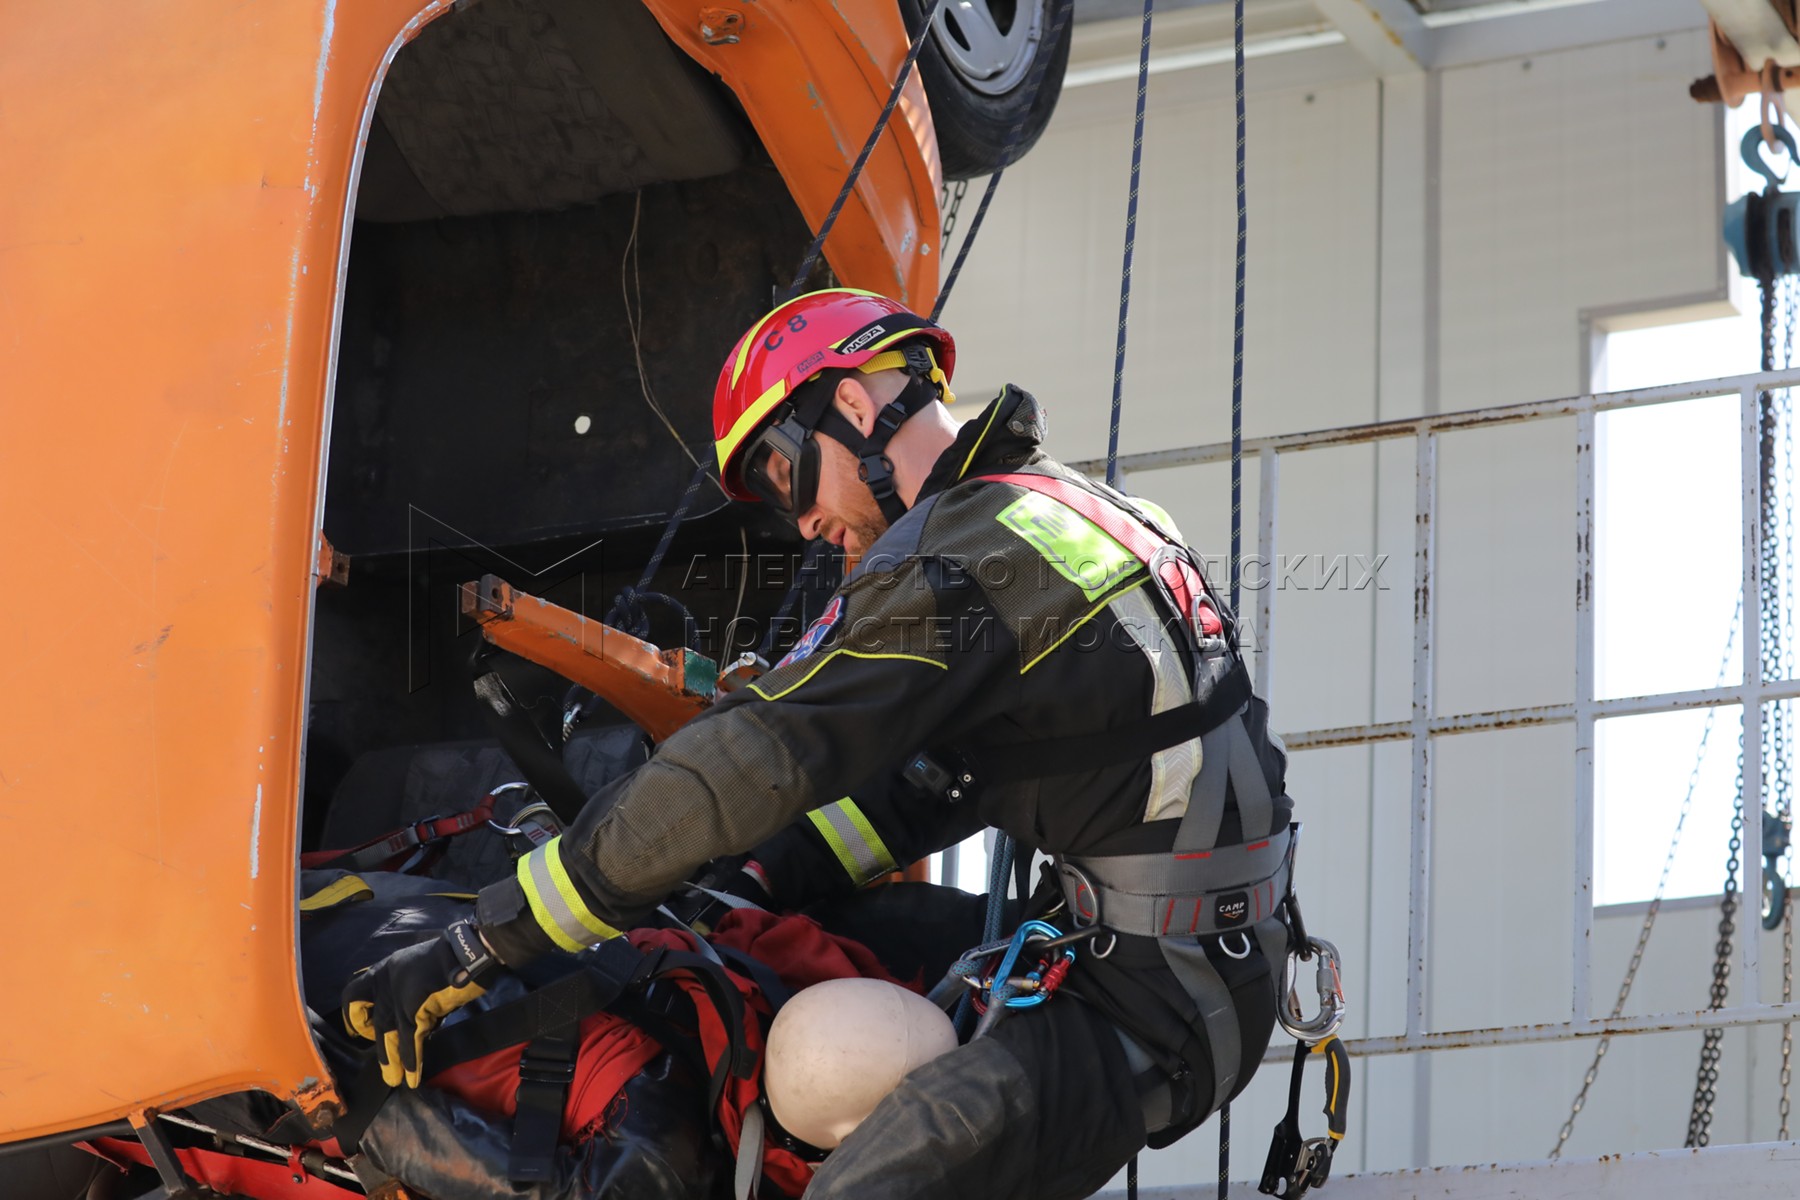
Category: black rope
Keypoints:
(627, 612)
(1225, 1152)
(1237, 447)
(808, 560)
(1033, 82)
(1131, 207)
(1237, 331)
(862, 159)
(1131, 1186)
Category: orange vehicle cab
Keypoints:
(432, 290)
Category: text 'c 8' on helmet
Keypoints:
(820, 331)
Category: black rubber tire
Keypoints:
(973, 128)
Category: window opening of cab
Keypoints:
(560, 222)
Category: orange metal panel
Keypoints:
(813, 75)
(170, 243)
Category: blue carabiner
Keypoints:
(1753, 158)
(1020, 939)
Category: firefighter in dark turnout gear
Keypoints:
(1055, 641)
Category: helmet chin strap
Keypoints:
(873, 465)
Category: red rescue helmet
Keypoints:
(820, 331)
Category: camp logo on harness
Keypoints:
(816, 633)
(1074, 547)
(1232, 908)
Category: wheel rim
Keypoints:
(989, 43)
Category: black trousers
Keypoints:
(1044, 1107)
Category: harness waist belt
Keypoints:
(1180, 893)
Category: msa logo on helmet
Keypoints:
(862, 339)
(816, 633)
(1232, 908)
(805, 365)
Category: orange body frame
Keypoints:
(172, 241)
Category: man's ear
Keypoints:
(855, 404)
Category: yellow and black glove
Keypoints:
(401, 999)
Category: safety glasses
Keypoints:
(782, 466)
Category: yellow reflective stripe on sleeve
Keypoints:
(859, 849)
(557, 906)
(1091, 614)
(757, 687)
(338, 891)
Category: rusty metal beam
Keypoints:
(659, 690)
(1562, 1031)
(1478, 418)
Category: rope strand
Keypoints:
(1131, 208)
(1237, 328)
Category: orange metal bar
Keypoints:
(658, 690)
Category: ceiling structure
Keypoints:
(1396, 37)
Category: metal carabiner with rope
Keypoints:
(1003, 975)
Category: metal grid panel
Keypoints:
(1425, 724)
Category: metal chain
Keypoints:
(1768, 601)
(1662, 883)
(950, 198)
(1707, 1080)
(1779, 763)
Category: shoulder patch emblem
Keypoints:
(815, 634)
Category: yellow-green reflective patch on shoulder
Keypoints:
(1157, 511)
(1076, 548)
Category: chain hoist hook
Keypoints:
(1752, 147)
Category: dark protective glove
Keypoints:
(401, 999)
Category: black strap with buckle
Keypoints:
(546, 1069)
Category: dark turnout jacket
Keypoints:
(990, 615)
